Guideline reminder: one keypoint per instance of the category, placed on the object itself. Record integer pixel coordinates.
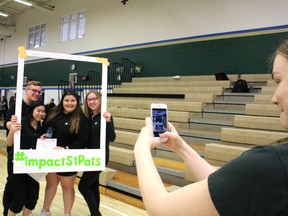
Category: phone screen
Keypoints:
(159, 118)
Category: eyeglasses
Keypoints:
(36, 91)
(92, 99)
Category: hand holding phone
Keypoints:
(159, 116)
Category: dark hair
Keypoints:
(70, 92)
(29, 115)
(75, 115)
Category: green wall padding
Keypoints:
(239, 55)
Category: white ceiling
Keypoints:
(14, 8)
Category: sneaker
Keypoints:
(66, 214)
(45, 213)
(31, 214)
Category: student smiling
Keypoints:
(71, 128)
(25, 188)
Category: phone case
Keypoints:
(159, 116)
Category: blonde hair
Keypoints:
(87, 110)
(34, 82)
(283, 49)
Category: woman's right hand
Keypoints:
(15, 127)
(43, 137)
(146, 137)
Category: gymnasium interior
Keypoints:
(158, 52)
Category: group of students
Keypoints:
(74, 129)
(256, 183)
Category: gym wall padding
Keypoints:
(233, 55)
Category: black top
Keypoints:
(11, 100)
(95, 125)
(255, 183)
(61, 131)
(29, 136)
(11, 111)
(49, 106)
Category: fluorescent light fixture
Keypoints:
(24, 2)
(3, 14)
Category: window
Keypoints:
(37, 36)
(73, 26)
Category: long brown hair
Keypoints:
(87, 110)
(74, 124)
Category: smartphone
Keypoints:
(49, 132)
(159, 116)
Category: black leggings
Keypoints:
(25, 192)
(89, 188)
(8, 192)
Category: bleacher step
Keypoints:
(231, 112)
(200, 135)
(128, 183)
(124, 188)
(171, 172)
(246, 94)
(227, 102)
(232, 97)
(211, 122)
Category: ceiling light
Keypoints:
(24, 2)
(3, 14)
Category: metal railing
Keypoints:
(117, 73)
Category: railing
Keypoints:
(117, 73)
(122, 72)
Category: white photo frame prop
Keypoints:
(44, 161)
